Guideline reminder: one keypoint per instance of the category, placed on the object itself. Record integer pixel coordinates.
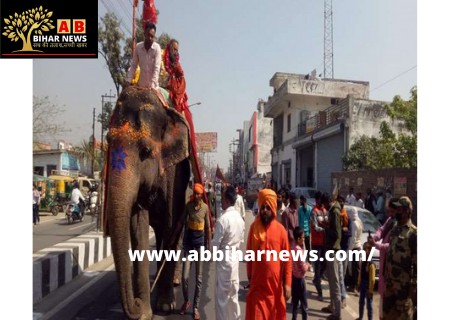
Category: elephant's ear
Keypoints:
(175, 142)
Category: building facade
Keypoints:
(257, 143)
(315, 123)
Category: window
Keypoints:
(289, 123)
(250, 134)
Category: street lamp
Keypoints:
(194, 104)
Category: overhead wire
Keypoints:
(397, 76)
(112, 9)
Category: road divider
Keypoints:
(55, 266)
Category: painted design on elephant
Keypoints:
(118, 159)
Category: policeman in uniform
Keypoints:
(400, 296)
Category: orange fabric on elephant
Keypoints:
(177, 87)
(265, 300)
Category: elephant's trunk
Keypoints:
(120, 239)
(121, 196)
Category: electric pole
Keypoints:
(328, 55)
(100, 205)
(93, 143)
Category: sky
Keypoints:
(229, 50)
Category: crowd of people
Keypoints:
(285, 222)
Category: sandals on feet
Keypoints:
(185, 307)
(196, 314)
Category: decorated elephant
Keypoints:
(147, 175)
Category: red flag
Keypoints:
(149, 12)
(219, 175)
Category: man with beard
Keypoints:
(268, 294)
(177, 92)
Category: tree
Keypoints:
(87, 152)
(45, 118)
(389, 150)
(116, 49)
(105, 117)
(32, 19)
(109, 39)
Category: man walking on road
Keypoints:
(196, 213)
(280, 204)
(304, 221)
(290, 219)
(318, 217)
(332, 241)
(239, 205)
(400, 295)
(36, 203)
(268, 294)
(229, 234)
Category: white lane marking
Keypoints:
(74, 295)
(83, 225)
(50, 220)
(351, 312)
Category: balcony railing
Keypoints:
(324, 118)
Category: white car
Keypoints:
(308, 193)
(370, 225)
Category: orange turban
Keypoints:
(198, 188)
(268, 197)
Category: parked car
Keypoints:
(308, 193)
(370, 224)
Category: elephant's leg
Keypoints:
(140, 241)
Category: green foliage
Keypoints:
(389, 150)
(405, 110)
(109, 38)
(116, 49)
(86, 152)
(105, 117)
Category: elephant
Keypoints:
(148, 173)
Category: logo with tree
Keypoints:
(30, 20)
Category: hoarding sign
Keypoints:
(206, 141)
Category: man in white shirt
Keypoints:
(350, 199)
(229, 232)
(147, 55)
(354, 244)
(240, 206)
(36, 203)
(76, 194)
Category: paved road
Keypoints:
(85, 300)
(55, 229)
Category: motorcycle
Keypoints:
(56, 205)
(75, 212)
(91, 203)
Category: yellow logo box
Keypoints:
(65, 26)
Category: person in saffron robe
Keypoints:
(268, 294)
